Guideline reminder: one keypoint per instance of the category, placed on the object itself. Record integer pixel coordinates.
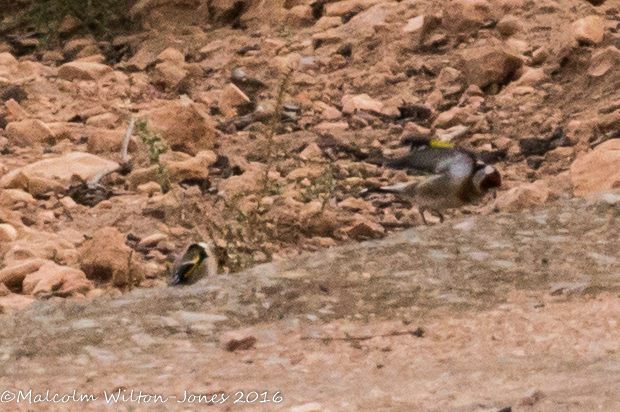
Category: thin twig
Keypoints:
(277, 119)
(125, 146)
(124, 157)
(419, 332)
(95, 180)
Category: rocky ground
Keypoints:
(254, 125)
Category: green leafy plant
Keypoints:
(156, 147)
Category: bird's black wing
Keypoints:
(426, 160)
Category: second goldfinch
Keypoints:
(458, 179)
(197, 262)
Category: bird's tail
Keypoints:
(400, 163)
(397, 188)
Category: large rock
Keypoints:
(29, 132)
(59, 280)
(598, 170)
(185, 126)
(488, 65)
(106, 257)
(83, 71)
(55, 174)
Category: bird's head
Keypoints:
(487, 178)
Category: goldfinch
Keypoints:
(458, 179)
(197, 262)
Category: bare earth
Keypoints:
(515, 310)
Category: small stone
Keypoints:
(308, 407)
(299, 16)
(105, 120)
(106, 141)
(7, 233)
(312, 152)
(15, 301)
(602, 61)
(68, 203)
(242, 339)
(230, 98)
(466, 15)
(329, 126)
(356, 204)
(16, 111)
(14, 273)
(168, 75)
(83, 71)
(149, 188)
(523, 197)
(586, 170)
(509, 25)
(452, 133)
(9, 198)
(589, 30)
(414, 25)
(540, 55)
(59, 280)
(152, 240)
(171, 55)
(363, 228)
(487, 65)
(352, 103)
(27, 133)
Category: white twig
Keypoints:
(125, 146)
(94, 182)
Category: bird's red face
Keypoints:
(491, 179)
